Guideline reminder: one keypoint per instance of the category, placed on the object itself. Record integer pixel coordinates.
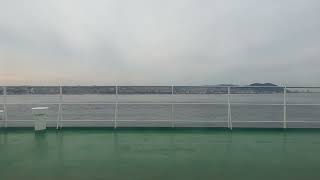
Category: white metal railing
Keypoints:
(60, 120)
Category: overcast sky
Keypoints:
(159, 42)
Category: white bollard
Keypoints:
(40, 116)
(1, 115)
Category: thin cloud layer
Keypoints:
(159, 42)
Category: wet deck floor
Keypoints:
(160, 154)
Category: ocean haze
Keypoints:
(149, 42)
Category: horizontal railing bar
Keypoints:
(304, 121)
(190, 121)
(256, 104)
(303, 104)
(54, 103)
(164, 103)
(151, 103)
(165, 120)
(235, 121)
(174, 121)
(253, 86)
(26, 120)
(32, 103)
(142, 121)
(112, 120)
(87, 120)
(200, 86)
(203, 86)
(275, 121)
(201, 121)
(240, 86)
(146, 86)
(309, 87)
(124, 103)
(183, 103)
(155, 103)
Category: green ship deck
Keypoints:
(159, 154)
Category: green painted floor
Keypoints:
(155, 154)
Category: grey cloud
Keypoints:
(160, 42)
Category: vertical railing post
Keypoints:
(228, 118)
(172, 108)
(3, 105)
(285, 107)
(229, 110)
(59, 125)
(5, 114)
(116, 109)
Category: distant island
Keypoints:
(263, 84)
(258, 88)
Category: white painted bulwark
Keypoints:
(40, 116)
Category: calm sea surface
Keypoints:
(173, 110)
